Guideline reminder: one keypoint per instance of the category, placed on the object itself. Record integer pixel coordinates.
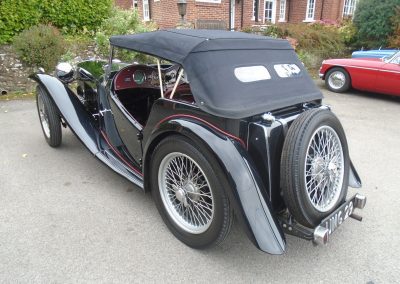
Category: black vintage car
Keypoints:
(215, 124)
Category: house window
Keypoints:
(349, 8)
(146, 10)
(282, 10)
(310, 10)
(269, 11)
(254, 9)
(135, 4)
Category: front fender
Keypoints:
(246, 187)
(71, 109)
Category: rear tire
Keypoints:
(314, 166)
(49, 117)
(187, 187)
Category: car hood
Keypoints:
(362, 62)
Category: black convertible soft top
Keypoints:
(216, 61)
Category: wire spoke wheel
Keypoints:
(49, 117)
(324, 169)
(314, 166)
(44, 120)
(188, 187)
(186, 193)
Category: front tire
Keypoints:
(188, 189)
(314, 166)
(337, 80)
(49, 117)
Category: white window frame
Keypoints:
(273, 14)
(349, 6)
(146, 13)
(282, 11)
(135, 2)
(210, 1)
(314, 4)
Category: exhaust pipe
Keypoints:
(3, 92)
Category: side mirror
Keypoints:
(65, 72)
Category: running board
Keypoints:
(109, 158)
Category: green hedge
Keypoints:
(71, 16)
(75, 15)
(16, 16)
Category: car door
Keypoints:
(128, 128)
(389, 77)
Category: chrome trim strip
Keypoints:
(366, 68)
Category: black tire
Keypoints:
(307, 208)
(341, 74)
(49, 117)
(220, 224)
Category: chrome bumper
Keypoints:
(320, 234)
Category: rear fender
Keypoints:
(71, 109)
(245, 186)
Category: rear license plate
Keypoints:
(333, 221)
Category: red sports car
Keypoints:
(366, 74)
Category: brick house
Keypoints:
(238, 14)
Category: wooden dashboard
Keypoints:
(137, 76)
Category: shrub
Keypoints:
(121, 22)
(40, 46)
(16, 16)
(313, 42)
(348, 32)
(373, 21)
(394, 40)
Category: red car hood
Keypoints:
(362, 62)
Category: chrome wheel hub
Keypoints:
(337, 80)
(324, 169)
(180, 194)
(186, 193)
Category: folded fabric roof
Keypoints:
(210, 59)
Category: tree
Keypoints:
(373, 19)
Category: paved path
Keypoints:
(65, 217)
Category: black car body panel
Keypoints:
(86, 128)
(246, 187)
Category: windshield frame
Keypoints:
(390, 58)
